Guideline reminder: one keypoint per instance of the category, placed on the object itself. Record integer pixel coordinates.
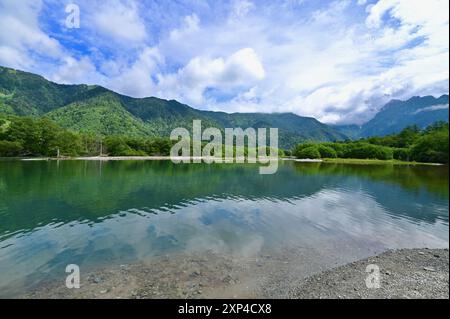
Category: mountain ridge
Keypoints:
(397, 115)
(87, 108)
(96, 109)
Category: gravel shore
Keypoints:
(406, 273)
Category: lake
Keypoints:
(97, 214)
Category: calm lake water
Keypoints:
(101, 213)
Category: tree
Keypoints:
(401, 154)
(368, 151)
(310, 152)
(432, 147)
(326, 151)
(8, 148)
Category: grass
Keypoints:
(371, 161)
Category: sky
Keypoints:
(338, 61)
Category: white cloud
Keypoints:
(191, 25)
(432, 108)
(136, 80)
(338, 61)
(242, 69)
(20, 34)
(81, 71)
(241, 8)
(120, 20)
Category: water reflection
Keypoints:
(73, 212)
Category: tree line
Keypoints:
(30, 137)
(429, 145)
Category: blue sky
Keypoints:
(338, 61)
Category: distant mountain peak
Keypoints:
(397, 114)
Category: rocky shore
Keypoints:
(407, 273)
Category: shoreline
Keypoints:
(149, 158)
(226, 160)
(405, 273)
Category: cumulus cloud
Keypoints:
(20, 34)
(240, 70)
(338, 61)
(136, 80)
(119, 20)
(76, 71)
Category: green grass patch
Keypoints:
(371, 161)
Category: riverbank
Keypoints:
(228, 160)
(374, 162)
(407, 273)
(134, 158)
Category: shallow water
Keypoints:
(95, 214)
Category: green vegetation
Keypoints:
(25, 136)
(42, 137)
(96, 110)
(127, 146)
(311, 152)
(83, 115)
(371, 161)
(410, 145)
(28, 137)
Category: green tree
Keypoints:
(432, 147)
(310, 152)
(326, 151)
(8, 148)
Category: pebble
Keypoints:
(195, 273)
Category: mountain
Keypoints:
(396, 115)
(98, 110)
(353, 131)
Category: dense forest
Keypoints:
(411, 144)
(28, 137)
(31, 137)
(99, 111)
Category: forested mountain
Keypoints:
(397, 115)
(95, 109)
